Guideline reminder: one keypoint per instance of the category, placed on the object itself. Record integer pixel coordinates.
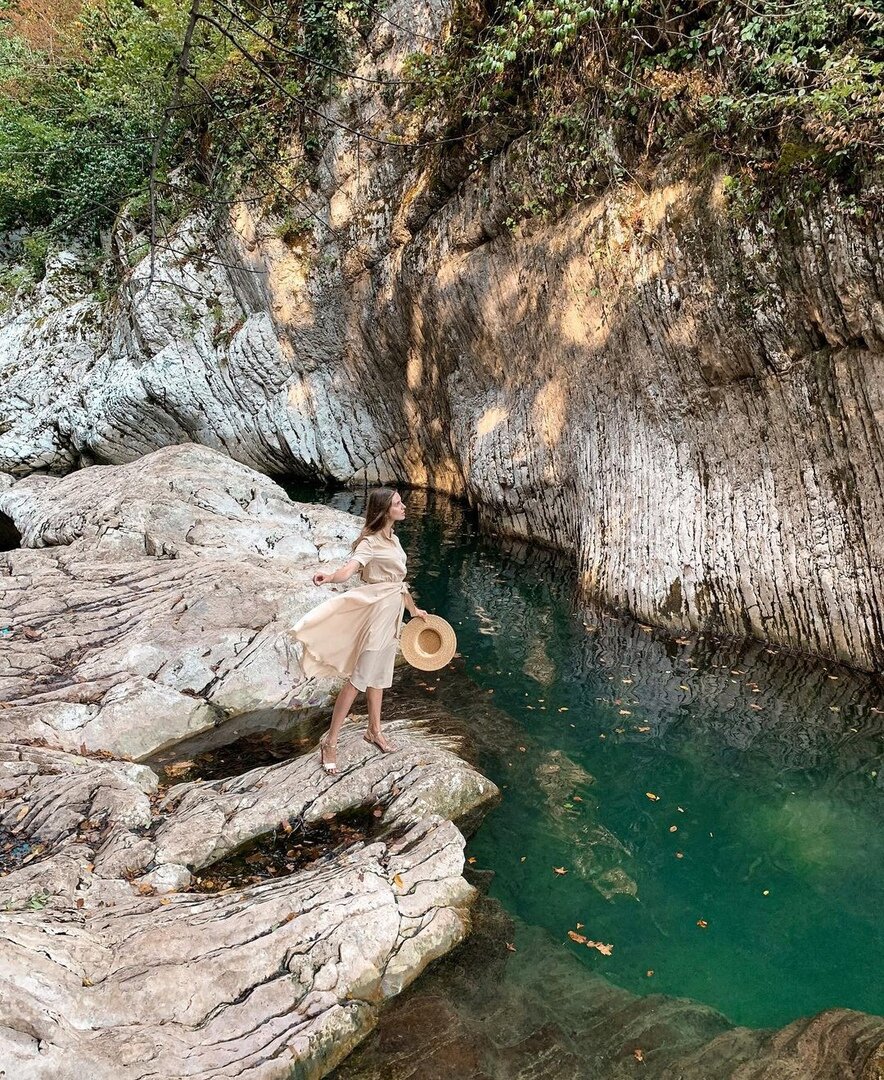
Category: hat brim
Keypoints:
(428, 643)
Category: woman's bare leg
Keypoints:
(375, 697)
(343, 704)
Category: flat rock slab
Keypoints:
(254, 983)
(149, 600)
(208, 819)
(98, 971)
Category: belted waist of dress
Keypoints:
(392, 588)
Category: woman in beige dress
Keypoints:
(356, 634)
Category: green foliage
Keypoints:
(80, 108)
(595, 89)
(76, 130)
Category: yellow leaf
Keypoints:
(510, 946)
(471, 859)
(702, 923)
(579, 938)
(23, 813)
(637, 1054)
(398, 882)
(604, 949)
(88, 982)
(673, 828)
(652, 796)
(649, 973)
(559, 870)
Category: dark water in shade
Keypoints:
(717, 807)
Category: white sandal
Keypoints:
(330, 767)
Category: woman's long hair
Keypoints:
(376, 510)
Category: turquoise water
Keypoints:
(717, 808)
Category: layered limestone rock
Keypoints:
(148, 604)
(688, 402)
(151, 600)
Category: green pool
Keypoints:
(716, 808)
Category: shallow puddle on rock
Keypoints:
(246, 742)
(288, 850)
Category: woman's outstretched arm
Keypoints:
(341, 574)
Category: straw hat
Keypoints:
(428, 643)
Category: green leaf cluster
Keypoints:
(593, 91)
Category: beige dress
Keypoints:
(355, 635)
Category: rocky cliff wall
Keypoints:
(688, 402)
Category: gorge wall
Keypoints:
(688, 401)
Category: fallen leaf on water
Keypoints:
(637, 1054)
(644, 727)
(702, 923)
(559, 870)
(682, 686)
(577, 798)
(604, 949)
(679, 854)
(580, 926)
(649, 973)
(625, 712)
(523, 749)
(564, 708)
(579, 938)
(766, 892)
(652, 796)
(510, 946)
(523, 858)
(471, 859)
(398, 882)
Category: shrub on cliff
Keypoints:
(598, 88)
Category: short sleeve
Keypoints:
(363, 552)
